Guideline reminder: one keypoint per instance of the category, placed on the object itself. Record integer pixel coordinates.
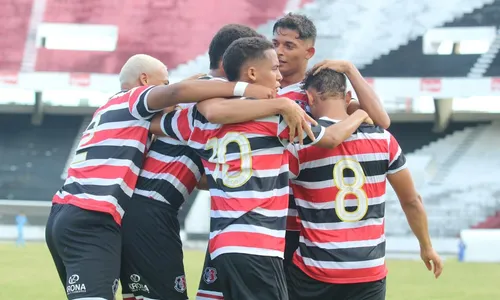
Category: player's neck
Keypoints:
(334, 111)
(217, 73)
(292, 79)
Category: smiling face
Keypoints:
(293, 52)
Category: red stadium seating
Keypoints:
(173, 31)
(14, 22)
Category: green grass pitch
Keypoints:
(28, 273)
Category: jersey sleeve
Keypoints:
(284, 133)
(138, 103)
(293, 161)
(178, 124)
(397, 159)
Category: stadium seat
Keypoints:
(33, 157)
(14, 17)
(163, 29)
(466, 194)
(343, 32)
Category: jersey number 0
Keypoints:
(231, 179)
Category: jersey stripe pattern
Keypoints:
(170, 173)
(297, 94)
(340, 196)
(293, 220)
(110, 155)
(247, 171)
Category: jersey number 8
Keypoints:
(355, 188)
(219, 157)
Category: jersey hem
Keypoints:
(116, 216)
(377, 277)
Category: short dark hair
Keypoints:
(223, 38)
(241, 51)
(327, 83)
(300, 23)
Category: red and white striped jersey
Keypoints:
(340, 197)
(170, 172)
(247, 171)
(293, 220)
(297, 94)
(110, 155)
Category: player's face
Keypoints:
(266, 71)
(157, 77)
(293, 53)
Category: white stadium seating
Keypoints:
(462, 187)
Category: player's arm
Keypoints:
(144, 102)
(368, 99)
(177, 124)
(411, 202)
(230, 111)
(203, 183)
(331, 136)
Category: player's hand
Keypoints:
(259, 92)
(297, 120)
(341, 66)
(368, 120)
(194, 77)
(432, 261)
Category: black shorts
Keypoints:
(86, 248)
(209, 287)
(251, 277)
(303, 287)
(152, 257)
(291, 245)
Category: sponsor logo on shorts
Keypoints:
(136, 286)
(73, 286)
(210, 275)
(180, 284)
(114, 287)
(135, 278)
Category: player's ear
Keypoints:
(143, 78)
(252, 74)
(310, 98)
(348, 97)
(310, 52)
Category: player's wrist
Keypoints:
(284, 105)
(240, 88)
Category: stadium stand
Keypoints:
(34, 156)
(393, 23)
(171, 24)
(466, 192)
(14, 16)
(397, 64)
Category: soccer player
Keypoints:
(83, 230)
(220, 112)
(247, 173)
(340, 196)
(152, 257)
(294, 36)
(21, 221)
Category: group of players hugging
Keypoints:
(295, 167)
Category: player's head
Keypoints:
(223, 38)
(325, 88)
(141, 70)
(293, 37)
(252, 60)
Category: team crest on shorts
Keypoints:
(114, 287)
(180, 284)
(210, 275)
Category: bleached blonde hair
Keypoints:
(135, 66)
